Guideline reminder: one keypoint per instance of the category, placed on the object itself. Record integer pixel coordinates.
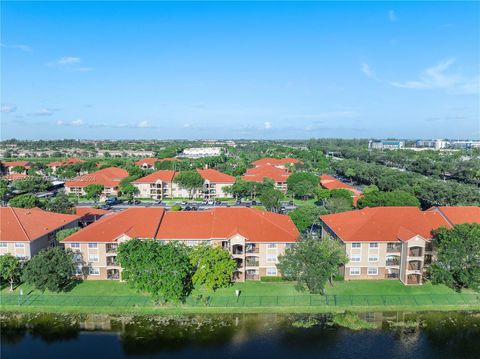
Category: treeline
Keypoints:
(460, 166)
(429, 191)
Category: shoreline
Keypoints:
(168, 310)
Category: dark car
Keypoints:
(106, 207)
(112, 201)
(133, 202)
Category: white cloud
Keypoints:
(42, 112)
(24, 48)
(436, 77)
(367, 70)
(142, 124)
(267, 125)
(186, 125)
(8, 108)
(392, 16)
(68, 60)
(77, 122)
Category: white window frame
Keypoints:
(74, 245)
(355, 258)
(272, 258)
(271, 245)
(3, 245)
(374, 256)
(93, 273)
(374, 268)
(356, 245)
(94, 256)
(373, 245)
(274, 271)
(355, 269)
(19, 245)
(92, 245)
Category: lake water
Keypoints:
(397, 335)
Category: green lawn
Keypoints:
(117, 297)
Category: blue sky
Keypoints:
(240, 70)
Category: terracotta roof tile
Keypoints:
(215, 176)
(257, 174)
(275, 161)
(65, 162)
(162, 175)
(460, 214)
(109, 177)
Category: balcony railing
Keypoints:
(415, 252)
(251, 263)
(414, 265)
(111, 249)
(112, 263)
(393, 248)
(391, 275)
(393, 262)
(252, 249)
(252, 276)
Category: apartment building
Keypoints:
(200, 152)
(66, 162)
(276, 162)
(254, 238)
(278, 175)
(8, 166)
(329, 182)
(386, 145)
(149, 163)
(160, 184)
(108, 177)
(24, 232)
(391, 242)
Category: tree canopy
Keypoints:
(59, 204)
(312, 262)
(305, 216)
(302, 184)
(458, 256)
(382, 199)
(64, 233)
(26, 200)
(10, 269)
(51, 268)
(190, 180)
(271, 199)
(93, 191)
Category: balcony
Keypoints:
(428, 259)
(414, 279)
(112, 262)
(415, 252)
(252, 276)
(111, 248)
(428, 247)
(113, 274)
(251, 262)
(394, 247)
(393, 261)
(252, 248)
(237, 249)
(414, 265)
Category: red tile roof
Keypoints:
(25, 164)
(253, 224)
(460, 214)
(151, 161)
(257, 174)
(275, 161)
(133, 222)
(109, 177)
(20, 224)
(15, 176)
(383, 224)
(65, 162)
(215, 176)
(162, 175)
(330, 182)
(256, 225)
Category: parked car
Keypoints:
(111, 201)
(134, 202)
(106, 207)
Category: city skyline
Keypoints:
(240, 70)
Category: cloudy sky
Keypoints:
(240, 70)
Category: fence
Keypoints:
(344, 301)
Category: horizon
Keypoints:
(240, 71)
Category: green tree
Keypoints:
(306, 216)
(3, 189)
(64, 233)
(93, 191)
(59, 204)
(164, 270)
(10, 269)
(32, 184)
(271, 199)
(26, 200)
(189, 180)
(337, 205)
(312, 262)
(350, 173)
(302, 184)
(458, 256)
(18, 169)
(369, 189)
(52, 268)
(213, 267)
(322, 194)
(382, 199)
(129, 190)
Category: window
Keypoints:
(355, 258)
(356, 245)
(372, 271)
(93, 258)
(79, 270)
(271, 245)
(354, 271)
(94, 271)
(77, 257)
(74, 245)
(19, 245)
(21, 257)
(3, 245)
(271, 271)
(92, 245)
(373, 245)
(271, 258)
(373, 258)
(289, 245)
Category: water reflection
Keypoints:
(398, 335)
